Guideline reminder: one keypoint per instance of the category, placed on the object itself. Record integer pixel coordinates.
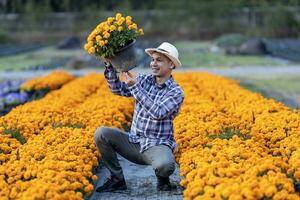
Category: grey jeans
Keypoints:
(111, 141)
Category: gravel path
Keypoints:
(253, 70)
(141, 183)
(234, 71)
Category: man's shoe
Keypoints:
(112, 184)
(163, 184)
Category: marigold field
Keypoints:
(232, 143)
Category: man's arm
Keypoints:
(116, 86)
(158, 110)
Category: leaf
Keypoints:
(15, 133)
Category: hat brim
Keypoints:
(176, 62)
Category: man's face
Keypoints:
(161, 65)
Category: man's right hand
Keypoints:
(107, 64)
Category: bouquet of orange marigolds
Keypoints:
(112, 35)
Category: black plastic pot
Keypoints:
(125, 59)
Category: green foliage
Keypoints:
(194, 19)
(295, 181)
(291, 176)
(37, 94)
(18, 6)
(231, 40)
(267, 198)
(297, 186)
(15, 133)
(4, 37)
(69, 125)
(281, 22)
(207, 146)
(262, 173)
(126, 128)
(117, 41)
(228, 134)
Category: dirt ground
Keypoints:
(141, 184)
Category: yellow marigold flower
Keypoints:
(297, 174)
(121, 21)
(91, 50)
(89, 188)
(96, 32)
(112, 28)
(120, 28)
(100, 26)
(27, 175)
(53, 81)
(118, 16)
(90, 38)
(94, 177)
(98, 38)
(90, 43)
(106, 27)
(141, 31)
(10, 180)
(101, 43)
(106, 35)
(110, 19)
(270, 191)
(129, 23)
(79, 195)
(132, 26)
(128, 20)
(13, 194)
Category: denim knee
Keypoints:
(100, 134)
(164, 168)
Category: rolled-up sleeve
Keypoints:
(116, 86)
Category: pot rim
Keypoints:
(126, 46)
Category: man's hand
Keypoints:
(129, 78)
(106, 62)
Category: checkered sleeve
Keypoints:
(167, 106)
(116, 86)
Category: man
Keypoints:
(150, 141)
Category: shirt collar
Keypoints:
(167, 83)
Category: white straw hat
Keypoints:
(168, 50)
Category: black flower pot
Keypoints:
(125, 58)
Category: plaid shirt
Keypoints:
(155, 108)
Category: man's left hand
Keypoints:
(129, 78)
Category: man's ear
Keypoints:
(172, 66)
